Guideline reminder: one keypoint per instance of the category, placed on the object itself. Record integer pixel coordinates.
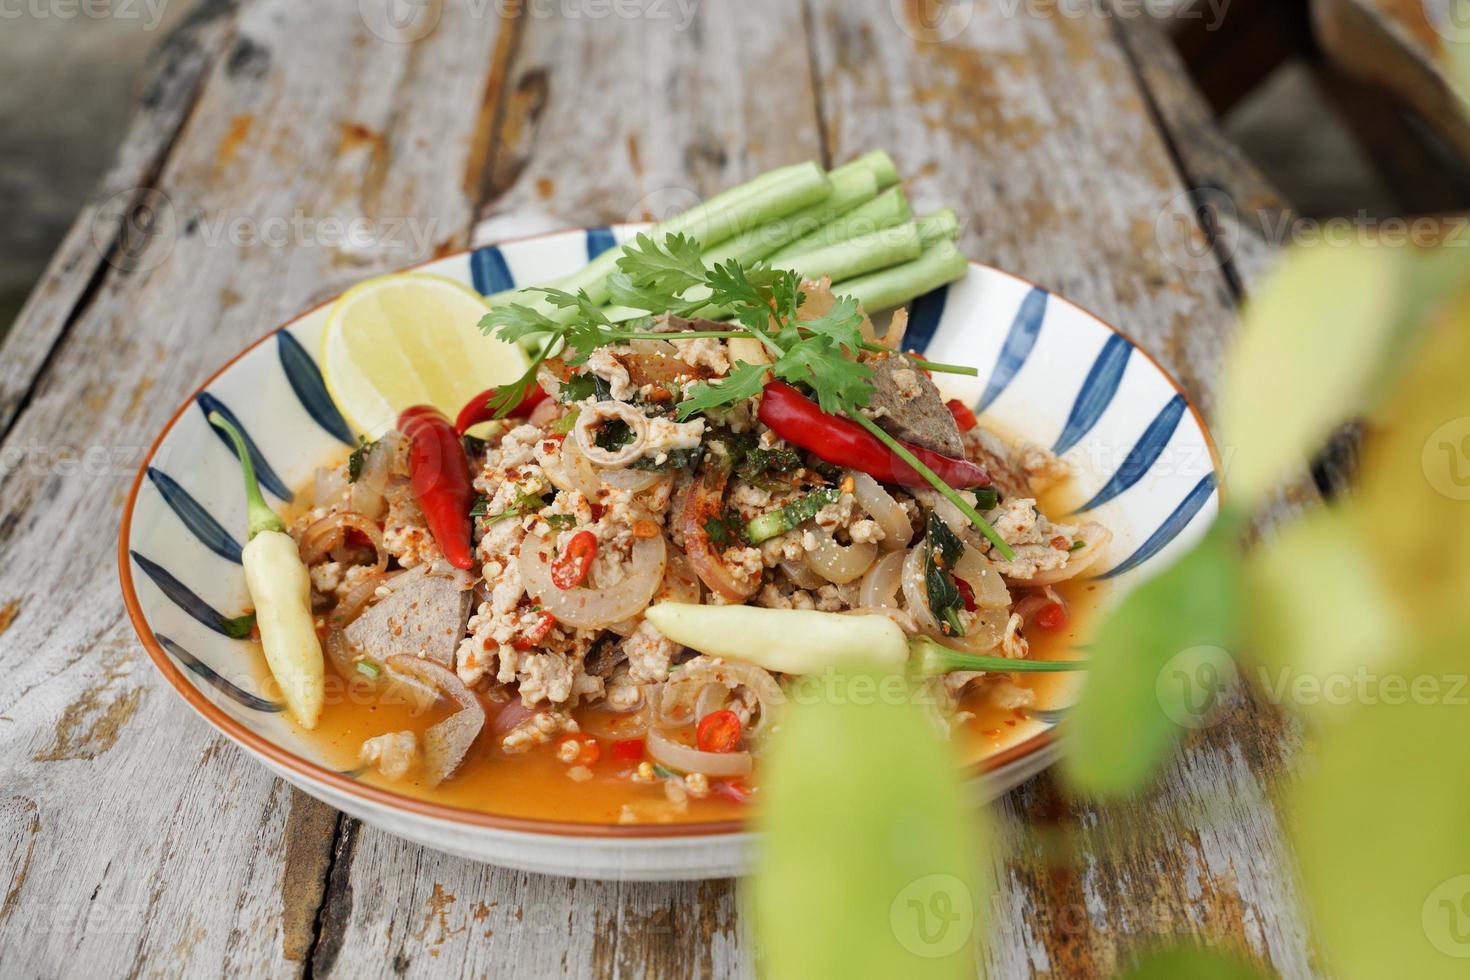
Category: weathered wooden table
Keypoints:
(135, 840)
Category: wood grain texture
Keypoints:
(1039, 129)
(136, 840)
(146, 844)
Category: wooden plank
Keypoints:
(605, 121)
(135, 840)
(170, 88)
(1037, 127)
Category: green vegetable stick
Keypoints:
(884, 211)
(849, 190)
(940, 226)
(937, 266)
(878, 163)
(859, 256)
(710, 224)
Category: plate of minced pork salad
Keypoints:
(522, 553)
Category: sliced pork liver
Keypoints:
(425, 616)
(912, 407)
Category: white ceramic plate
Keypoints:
(1050, 373)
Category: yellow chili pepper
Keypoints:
(805, 641)
(280, 587)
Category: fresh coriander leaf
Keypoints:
(841, 385)
(514, 322)
(579, 301)
(744, 381)
(841, 325)
(669, 269)
(623, 291)
(567, 422)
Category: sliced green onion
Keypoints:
(930, 659)
(788, 518)
(369, 669)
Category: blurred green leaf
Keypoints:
(1414, 505)
(867, 865)
(1310, 347)
(1378, 825)
(1159, 660)
(1318, 606)
(1191, 963)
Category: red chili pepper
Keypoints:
(963, 417)
(718, 731)
(1052, 617)
(441, 480)
(628, 750)
(536, 634)
(842, 442)
(570, 570)
(478, 409)
(967, 594)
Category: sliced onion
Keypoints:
(570, 470)
(367, 495)
(802, 576)
(916, 592)
(878, 504)
(682, 758)
(987, 630)
(704, 502)
(597, 414)
(881, 582)
(330, 487)
(509, 715)
(841, 563)
(617, 725)
(982, 577)
(351, 605)
(329, 532)
(711, 699)
(631, 480)
(1094, 538)
(445, 743)
(678, 702)
(591, 608)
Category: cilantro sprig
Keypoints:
(819, 353)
